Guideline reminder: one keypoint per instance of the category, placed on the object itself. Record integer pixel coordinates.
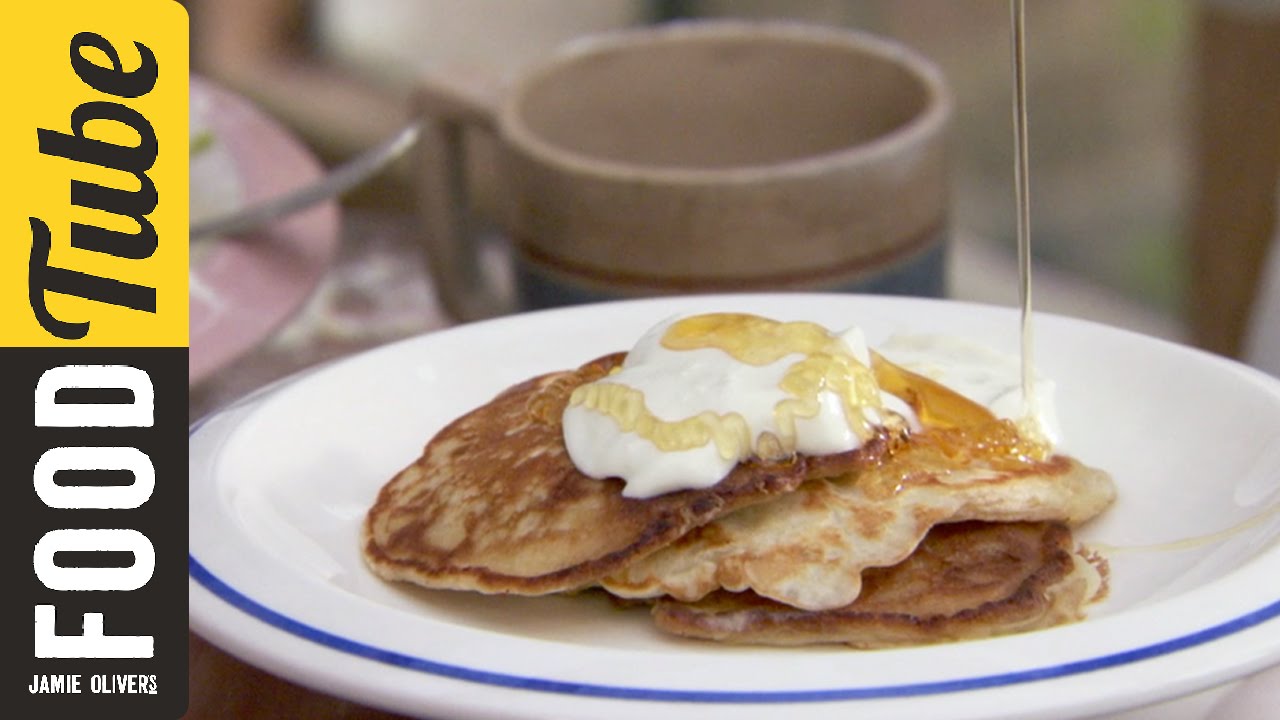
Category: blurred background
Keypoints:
(1155, 124)
(1154, 148)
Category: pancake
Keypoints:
(495, 504)
(965, 581)
(810, 548)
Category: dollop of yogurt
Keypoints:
(699, 394)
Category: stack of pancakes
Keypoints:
(945, 533)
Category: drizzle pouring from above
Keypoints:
(1022, 196)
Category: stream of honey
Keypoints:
(1030, 422)
(1022, 192)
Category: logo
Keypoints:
(94, 339)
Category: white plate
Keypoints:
(280, 482)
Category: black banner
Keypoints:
(95, 539)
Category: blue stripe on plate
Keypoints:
(234, 597)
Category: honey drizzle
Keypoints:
(1194, 541)
(1031, 406)
(935, 404)
(1030, 422)
(826, 365)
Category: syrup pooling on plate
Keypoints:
(699, 394)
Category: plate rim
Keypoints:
(359, 649)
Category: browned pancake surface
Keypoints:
(809, 548)
(965, 580)
(496, 505)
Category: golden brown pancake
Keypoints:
(495, 504)
(965, 581)
(810, 547)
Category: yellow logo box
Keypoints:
(96, 143)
